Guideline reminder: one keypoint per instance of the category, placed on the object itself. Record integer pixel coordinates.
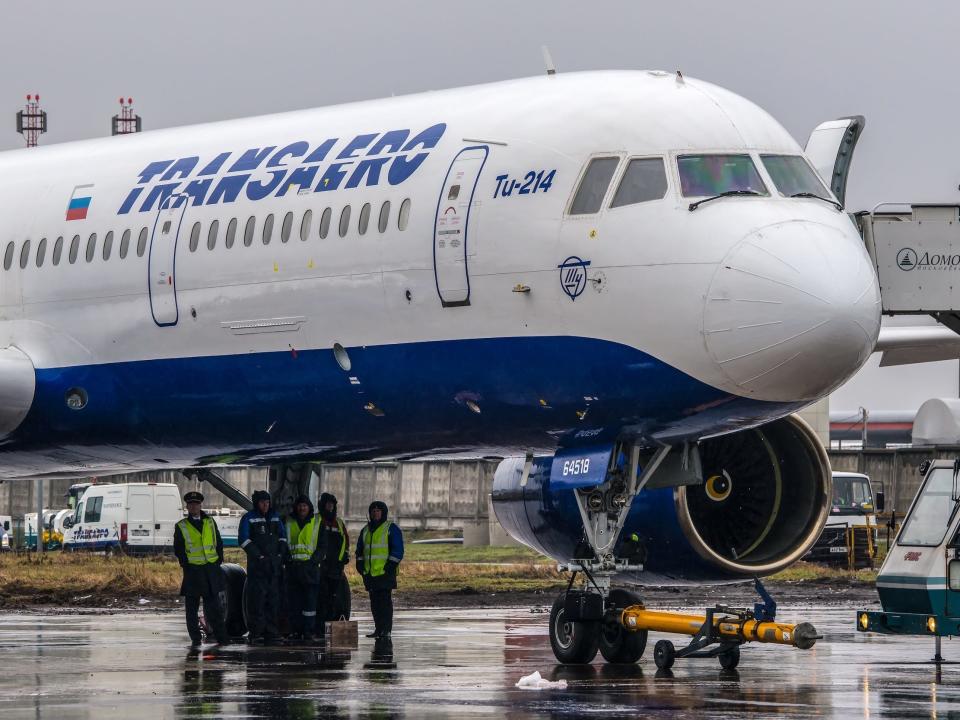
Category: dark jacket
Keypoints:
(305, 572)
(264, 539)
(331, 540)
(199, 579)
(387, 581)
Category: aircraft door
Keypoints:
(161, 268)
(140, 516)
(450, 228)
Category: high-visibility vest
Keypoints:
(201, 547)
(303, 540)
(375, 549)
(343, 543)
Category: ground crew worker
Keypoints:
(199, 549)
(379, 552)
(263, 537)
(303, 569)
(334, 541)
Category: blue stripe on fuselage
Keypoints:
(404, 398)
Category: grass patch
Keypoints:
(811, 572)
(461, 554)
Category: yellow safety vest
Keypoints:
(375, 549)
(201, 547)
(302, 540)
(343, 543)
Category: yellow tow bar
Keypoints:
(725, 627)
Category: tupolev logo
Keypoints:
(573, 276)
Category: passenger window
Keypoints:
(594, 186)
(268, 229)
(93, 510)
(166, 228)
(107, 245)
(305, 225)
(644, 179)
(384, 217)
(454, 192)
(58, 250)
(231, 234)
(344, 221)
(212, 234)
(142, 242)
(403, 217)
(41, 251)
(8, 255)
(248, 231)
(25, 254)
(91, 247)
(74, 249)
(124, 244)
(364, 218)
(325, 223)
(285, 228)
(194, 237)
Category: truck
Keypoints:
(134, 518)
(852, 520)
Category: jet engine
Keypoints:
(759, 502)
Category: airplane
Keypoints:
(626, 282)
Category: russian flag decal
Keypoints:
(79, 202)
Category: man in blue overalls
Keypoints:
(264, 538)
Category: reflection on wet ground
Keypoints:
(451, 663)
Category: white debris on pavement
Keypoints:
(536, 682)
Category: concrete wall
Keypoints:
(438, 495)
(893, 470)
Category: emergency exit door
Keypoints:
(161, 266)
(450, 238)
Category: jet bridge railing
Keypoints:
(916, 250)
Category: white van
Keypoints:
(132, 517)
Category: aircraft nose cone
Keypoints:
(793, 311)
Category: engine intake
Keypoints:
(763, 501)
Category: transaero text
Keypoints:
(366, 160)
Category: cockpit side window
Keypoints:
(708, 175)
(792, 175)
(644, 179)
(593, 186)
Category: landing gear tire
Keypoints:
(231, 603)
(574, 642)
(729, 659)
(664, 654)
(617, 644)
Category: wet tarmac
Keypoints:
(452, 664)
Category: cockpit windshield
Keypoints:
(851, 496)
(793, 175)
(708, 175)
(927, 524)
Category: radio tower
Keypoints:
(32, 121)
(127, 121)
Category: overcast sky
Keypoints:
(188, 61)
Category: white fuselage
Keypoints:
(770, 299)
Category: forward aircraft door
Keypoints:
(161, 268)
(450, 228)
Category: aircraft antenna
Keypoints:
(548, 61)
(127, 122)
(32, 120)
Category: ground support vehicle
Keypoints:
(850, 535)
(919, 582)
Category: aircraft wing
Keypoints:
(919, 344)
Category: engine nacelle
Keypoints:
(763, 502)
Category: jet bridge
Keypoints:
(915, 248)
